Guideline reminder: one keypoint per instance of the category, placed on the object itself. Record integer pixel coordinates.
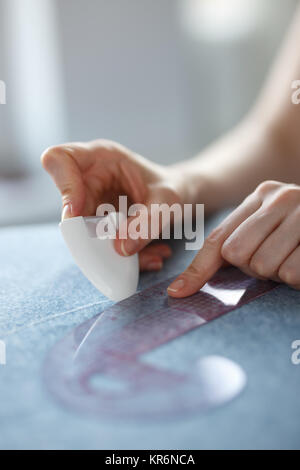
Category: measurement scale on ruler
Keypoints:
(109, 347)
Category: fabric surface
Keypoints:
(43, 296)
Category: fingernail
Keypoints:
(67, 211)
(176, 285)
(129, 246)
(154, 266)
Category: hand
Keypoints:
(261, 237)
(88, 174)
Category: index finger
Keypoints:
(209, 258)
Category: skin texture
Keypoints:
(256, 166)
(88, 174)
(261, 237)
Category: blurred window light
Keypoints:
(37, 101)
(221, 19)
(2, 92)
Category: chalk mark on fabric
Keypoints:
(51, 317)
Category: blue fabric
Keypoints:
(43, 295)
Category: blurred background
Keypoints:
(164, 77)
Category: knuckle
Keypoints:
(66, 191)
(214, 238)
(289, 275)
(234, 253)
(193, 270)
(266, 186)
(287, 193)
(227, 252)
(51, 155)
(258, 266)
(101, 142)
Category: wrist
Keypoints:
(191, 186)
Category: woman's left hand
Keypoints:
(261, 237)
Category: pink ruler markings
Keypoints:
(112, 344)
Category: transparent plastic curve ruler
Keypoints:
(99, 369)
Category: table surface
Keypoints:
(43, 296)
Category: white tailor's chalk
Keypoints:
(114, 275)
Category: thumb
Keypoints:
(62, 167)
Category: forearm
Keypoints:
(230, 169)
(266, 145)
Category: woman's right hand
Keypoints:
(89, 174)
